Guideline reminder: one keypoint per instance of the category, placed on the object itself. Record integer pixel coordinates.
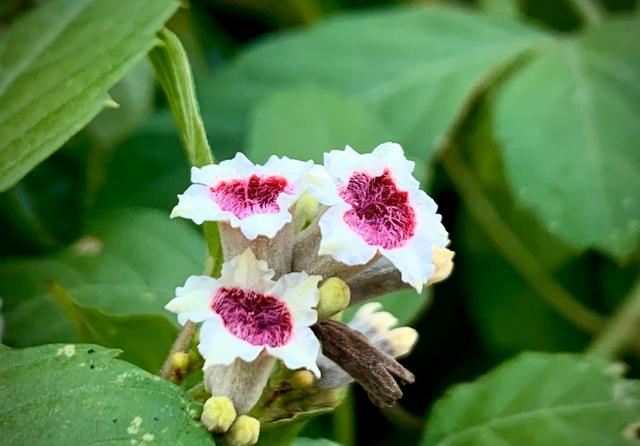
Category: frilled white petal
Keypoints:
(392, 156)
(300, 352)
(266, 225)
(413, 261)
(219, 347)
(321, 185)
(339, 241)
(248, 272)
(192, 301)
(428, 221)
(292, 170)
(300, 292)
(342, 163)
(237, 167)
(196, 204)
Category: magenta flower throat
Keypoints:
(380, 213)
(253, 195)
(256, 318)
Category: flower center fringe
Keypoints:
(380, 213)
(249, 196)
(256, 318)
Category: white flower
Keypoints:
(376, 206)
(254, 198)
(246, 313)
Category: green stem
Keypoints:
(171, 65)
(401, 417)
(172, 69)
(510, 246)
(622, 329)
(344, 420)
(589, 10)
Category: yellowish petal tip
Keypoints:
(382, 321)
(443, 262)
(403, 339)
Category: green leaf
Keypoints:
(569, 122)
(128, 263)
(540, 399)
(417, 66)
(304, 122)
(508, 8)
(148, 169)
(144, 339)
(57, 64)
(477, 137)
(34, 214)
(80, 394)
(173, 71)
(134, 96)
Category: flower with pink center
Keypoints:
(376, 207)
(245, 313)
(255, 198)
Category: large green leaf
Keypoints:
(129, 263)
(56, 65)
(134, 95)
(148, 169)
(80, 394)
(540, 399)
(304, 122)
(417, 66)
(144, 339)
(569, 123)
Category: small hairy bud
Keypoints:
(307, 208)
(443, 262)
(334, 297)
(180, 361)
(244, 432)
(302, 379)
(218, 414)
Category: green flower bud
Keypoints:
(334, 297)
(218, 414)
(244, 432)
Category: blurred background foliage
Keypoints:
(523, 125)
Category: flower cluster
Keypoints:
(299, 239)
